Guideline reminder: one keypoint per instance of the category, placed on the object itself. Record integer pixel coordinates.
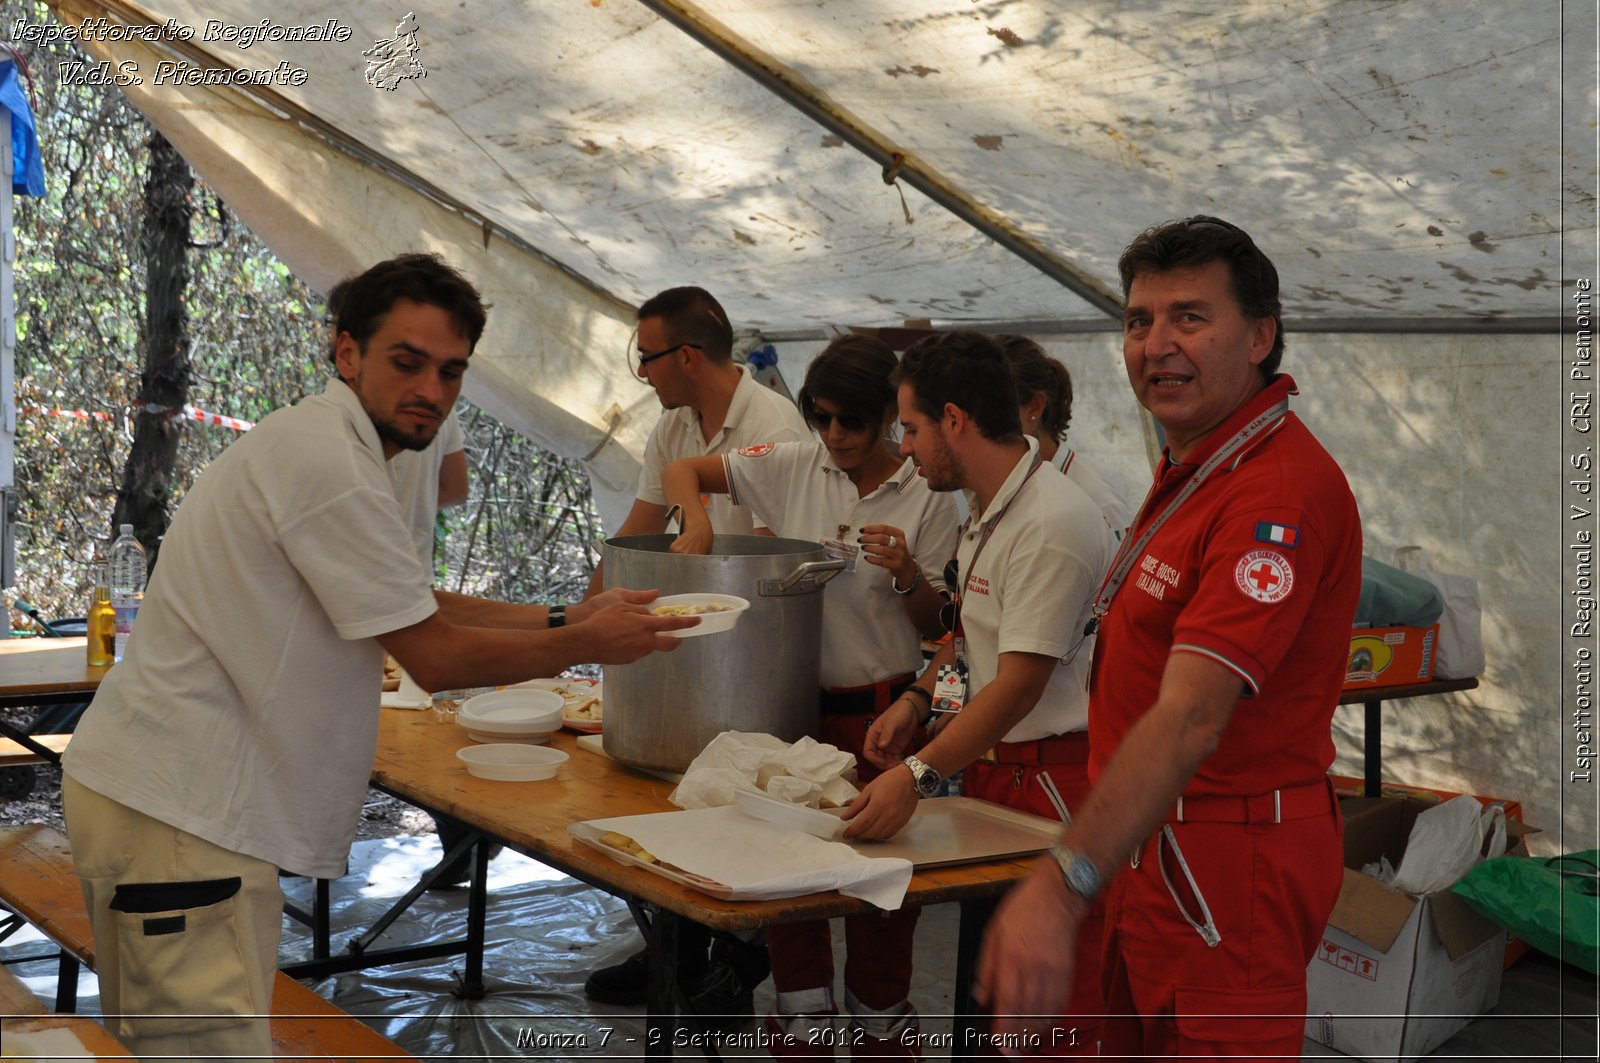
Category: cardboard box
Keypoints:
(1350, 786)
(1395, 976)
(1390, 656)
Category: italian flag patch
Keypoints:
(1278, 534)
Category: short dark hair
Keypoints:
(692, 317)
(334, 297)
(966, 369)
(1038, 373)
(853, 373)
(421, 278)
(1201, 239)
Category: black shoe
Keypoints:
(749, 959)
(627, 982)
(458, 872)
(723, 998)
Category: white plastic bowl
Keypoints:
(511, 762)
(788, 814)
(512, 716)
(729, 608)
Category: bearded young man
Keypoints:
(237, 735)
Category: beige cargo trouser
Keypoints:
(186, 933)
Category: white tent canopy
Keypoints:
(957, 162)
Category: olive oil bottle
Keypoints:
(102, 619)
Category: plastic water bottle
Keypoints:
(129, 568)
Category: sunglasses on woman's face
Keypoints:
(822, 419)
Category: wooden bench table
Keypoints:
(416, 762)
(38, 882)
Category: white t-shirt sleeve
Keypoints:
(355, 553)
(759, 478)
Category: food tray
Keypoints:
(943, 831)
(964, 830)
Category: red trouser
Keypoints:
(877, 966)
(1270, 887)
(1012, 782)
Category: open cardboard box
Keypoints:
(1349, 786)
(1394, 975)
(1390, 656)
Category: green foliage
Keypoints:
(257, 342)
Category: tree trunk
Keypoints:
(164, 382)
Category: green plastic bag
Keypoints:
(1550, 904)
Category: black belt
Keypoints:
(863, 701)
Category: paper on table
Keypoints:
(761, 861)
(409, 696)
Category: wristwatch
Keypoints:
(1080, 875)
(924, 777)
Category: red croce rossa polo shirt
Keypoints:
(1259, 570)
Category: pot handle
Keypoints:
(807, 577)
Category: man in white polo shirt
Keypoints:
(1028, 563)
(237, 735)
(710, 405)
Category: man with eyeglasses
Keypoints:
(1224, 626)
(711, 405)
(1012, 678)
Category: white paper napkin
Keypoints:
(762, 861)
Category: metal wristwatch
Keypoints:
(924, 777)
(1081, 876)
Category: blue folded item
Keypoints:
(1390, 597)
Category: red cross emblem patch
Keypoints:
(1264, 575)
(760, 450)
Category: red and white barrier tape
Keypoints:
(188, 412)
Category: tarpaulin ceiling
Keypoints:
(873, 162)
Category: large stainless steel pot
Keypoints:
(762, 676)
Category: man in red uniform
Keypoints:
(1225, 622)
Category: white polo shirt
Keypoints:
(1112, 507)
(1032, 590)
(246, 710)
(796, 490)
(757, 414)
(415, 476)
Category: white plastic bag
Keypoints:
(1458, 654)
(1447, 841)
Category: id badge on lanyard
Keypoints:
(839, 550)
(950, 687)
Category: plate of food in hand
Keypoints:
(717, 612)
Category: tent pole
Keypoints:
(809, 100)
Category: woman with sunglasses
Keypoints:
(1044, 402)
(854, 493)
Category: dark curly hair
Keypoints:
(1202, 239)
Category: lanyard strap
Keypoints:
(1131, 548)
(990, 526)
